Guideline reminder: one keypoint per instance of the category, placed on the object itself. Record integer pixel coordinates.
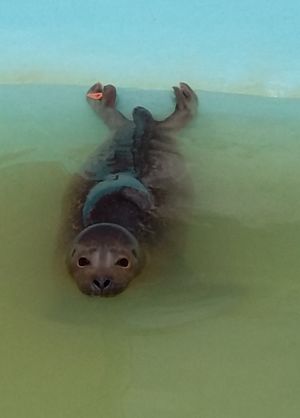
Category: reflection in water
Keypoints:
(212, 332)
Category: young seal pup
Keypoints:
(127, 193)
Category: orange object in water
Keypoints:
(95, 96)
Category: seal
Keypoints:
(127, 193)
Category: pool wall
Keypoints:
(230, 46)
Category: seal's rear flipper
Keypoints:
(185, 109)
(103, 102)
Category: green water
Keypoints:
(214, 334)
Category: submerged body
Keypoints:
(127, 193)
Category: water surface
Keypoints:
(212, 334)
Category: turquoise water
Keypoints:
(213, 334)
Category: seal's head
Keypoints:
(104, 258)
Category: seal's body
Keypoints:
(126, 194)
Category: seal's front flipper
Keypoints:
(185, 109)
(103, 102)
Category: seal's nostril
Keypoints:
(106, 283)
(97, 284)
(100, 284)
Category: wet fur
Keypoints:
(147, 148)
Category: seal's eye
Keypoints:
(83, 261)
(122, 262)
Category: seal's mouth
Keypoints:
(104, 287)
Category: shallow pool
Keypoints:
(213, 334)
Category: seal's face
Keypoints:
(104, 258)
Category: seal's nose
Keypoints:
(100, 284)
